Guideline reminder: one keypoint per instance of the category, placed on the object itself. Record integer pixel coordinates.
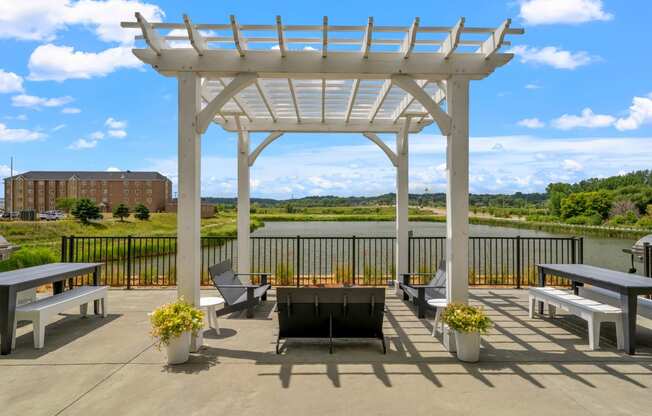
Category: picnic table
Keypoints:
(15, 281)
(627, 286)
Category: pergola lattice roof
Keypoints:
(279, 77)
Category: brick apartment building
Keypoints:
(40, 191)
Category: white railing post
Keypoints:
(457, 192)
(189, 200)
(402, 203)
(243, 202)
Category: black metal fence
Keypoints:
(493, 261)
(647, 259)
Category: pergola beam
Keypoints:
(410, 39)
(354, 92)
(196, 39)
(268, 140)
(316, 126)
(152, 38)
(380, 99)
(238, 40)
(265, 99)
(324, 38)
(490, 46)
(240, 82)
(383, 146)
(338, 65)
(453, 39)
(407, 84)
(281, 37)
(295, 103)
(367, 39)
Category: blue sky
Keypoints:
(575, 102)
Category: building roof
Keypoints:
(91, 175)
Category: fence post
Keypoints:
(64, 247)
(581, 250)
(353, 260)
(574, 246)
(647, 259)
(518, 262)
(298, 252)
(128, 262)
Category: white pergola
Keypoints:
(366, 79)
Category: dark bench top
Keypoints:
(45, 273)
(609, 279)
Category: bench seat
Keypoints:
(40, 311)
(644, 307)
(590, 310)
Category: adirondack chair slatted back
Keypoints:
(438, 280)
(222, 275)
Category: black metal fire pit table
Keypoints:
(627, 286)
(30, 277)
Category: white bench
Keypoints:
(644, 307)
(591, 311)
(40, 311)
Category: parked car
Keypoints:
(52, 215)
(9, 215)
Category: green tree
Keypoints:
(557, 192)
(141, 212)
(66, 204)
(121, 211)
(86, 210)
(586, 204)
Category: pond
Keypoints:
(598, 251)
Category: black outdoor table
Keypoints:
(628, 286)
(30, 277)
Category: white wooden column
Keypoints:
(402, 203)
(189, 195)
(243, 202)
(457, 192)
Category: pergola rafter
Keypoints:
(279, 78)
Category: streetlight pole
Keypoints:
(11, 181)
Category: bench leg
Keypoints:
(551, 310)
(532, 302)
(436, 322)
(13, 338)
(83, 309)
(103, 303)
(594, 333)
(620, 336)
(39, 333)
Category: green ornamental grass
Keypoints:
(171, 320)
(465, 318)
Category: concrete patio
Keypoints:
(110, 366)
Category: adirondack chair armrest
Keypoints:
(239, 286)
(263, 276)
(424, 286)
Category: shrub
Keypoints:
(66, 204)
(623, 207)
(578, 220)
(644, 222)
(586, 204)
(465, 318)
(141, 212)
(86, 210)
(121, 211)
(28, 257)
(172, 319)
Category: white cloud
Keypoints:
(115, 124)
(553, 56)
(120, 134)
(19, 135)
(20, 117)
(32, 101)
(58, 63)
(640, 113)
(71, 110)
(58, 127)
(531, 123)
(309, 48)
(96, 135)
(43, 19)
(113, 169)
(532, 86)
(83, 144)
(540, 12)
(572, 165)
(10, 82)
(586, 119)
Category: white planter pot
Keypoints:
(179, 349)
(468, 346)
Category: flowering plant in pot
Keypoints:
(467, 323)
(172, 326)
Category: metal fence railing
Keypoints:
(493, 261)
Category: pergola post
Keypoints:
(402, 203)
(457, 192)
(243, 202)
(189, 200)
